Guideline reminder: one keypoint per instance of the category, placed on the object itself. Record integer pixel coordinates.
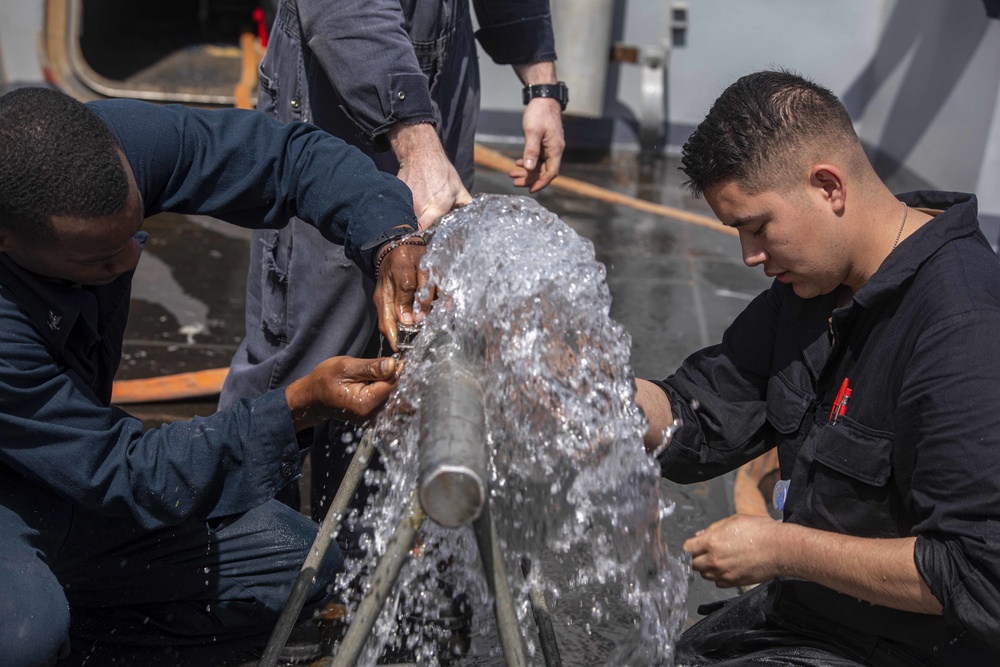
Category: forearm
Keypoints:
(262, 173)
(656, 406)
(415, 143)
(880, 571)
(534, 74)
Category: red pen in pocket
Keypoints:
(839, 407)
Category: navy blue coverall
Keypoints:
(165, 538)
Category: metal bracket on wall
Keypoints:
(652, 105)
(654, 61)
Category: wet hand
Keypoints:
(400, 286)
(344, 388)
(736, 551)
(544, 144)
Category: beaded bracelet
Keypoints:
(392, 245)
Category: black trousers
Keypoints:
(764, 627)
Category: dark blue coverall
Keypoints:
(168, 538)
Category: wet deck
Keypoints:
(675, 287)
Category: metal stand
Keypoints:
(387, 570)
(307, 575)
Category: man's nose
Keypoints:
(753, 250)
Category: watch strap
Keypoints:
(556, 91)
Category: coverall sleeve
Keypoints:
(728, 385)
(367, 56)
(247, 169)
(946, 408)
(516, 32)
(55, 431)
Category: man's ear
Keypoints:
(829, 181)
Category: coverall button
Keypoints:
(287, 470)
(401, 95)
(294, 104)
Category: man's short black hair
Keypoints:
(56, 158)
(761, 129)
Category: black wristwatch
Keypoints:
(557, 91)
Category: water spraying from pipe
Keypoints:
(522, 321)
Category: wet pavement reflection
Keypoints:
(675, 287)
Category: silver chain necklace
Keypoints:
(906, 210)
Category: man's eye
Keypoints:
(759, 230)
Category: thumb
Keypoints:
(463, 198)
(382, 368)
(532, 148)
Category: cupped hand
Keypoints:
(737, 551)
(544, 144)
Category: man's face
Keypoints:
(83, 251)
(793, 235)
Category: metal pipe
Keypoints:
(385, 576)
(307, 575)
(452, 482)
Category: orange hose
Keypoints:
(491, 159)
(203, 384)
(250, 55)
(197, 384)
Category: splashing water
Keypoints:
(571, 487)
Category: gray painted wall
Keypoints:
(20, 32)
(920, 77)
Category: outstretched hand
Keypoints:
(344, 388)
(544, 144)
(737, 551)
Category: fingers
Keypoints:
(372, 379)
(436, 207)
(544, 143)
(395, 290)
(405, 279)
(387, 321)
(424, 295)
(382, 369)
(549, 170)
(532, 151)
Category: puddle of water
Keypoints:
(571, 488)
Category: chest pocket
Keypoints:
(855, 451)
(786, 405)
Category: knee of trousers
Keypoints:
(296, 535)
(34, 615)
